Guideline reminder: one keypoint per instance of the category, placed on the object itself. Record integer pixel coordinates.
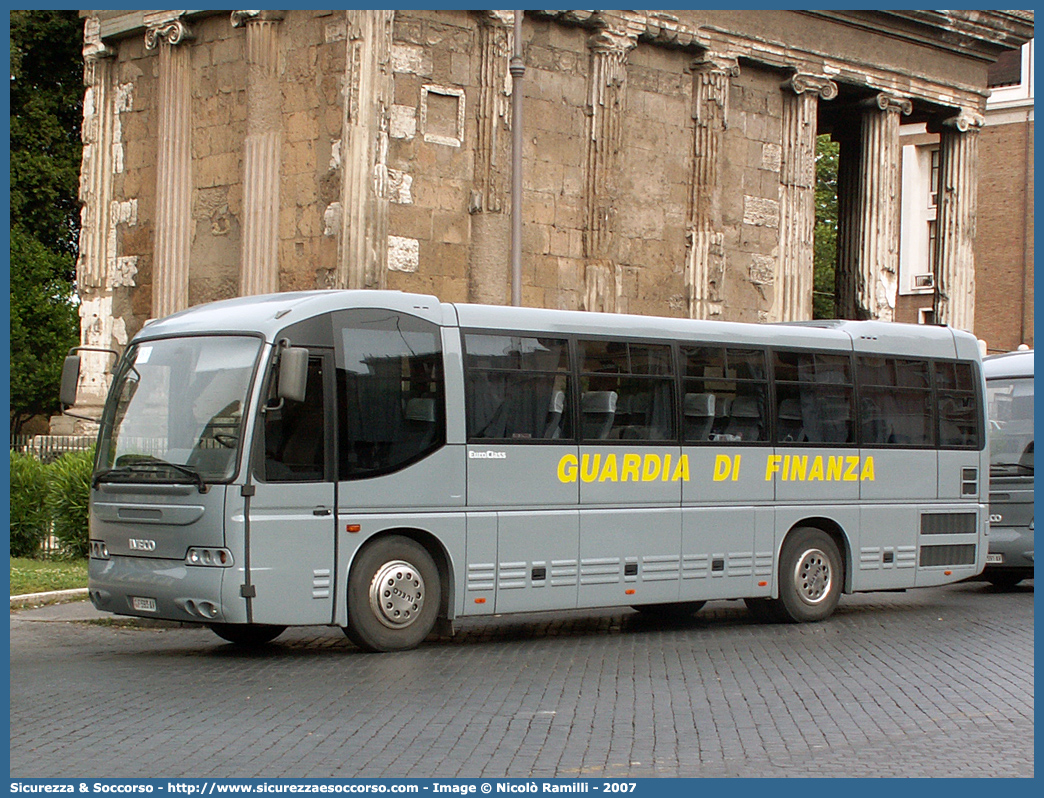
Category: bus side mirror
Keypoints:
(293, 373)
(70, 377)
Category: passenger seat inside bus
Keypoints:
(553, 428)
(745, 419)
(790, 424)
(699, 416)
(420, 423)
(598, 409)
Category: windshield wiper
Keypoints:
(1023, 466)
(149, 464)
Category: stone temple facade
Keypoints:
(668, 161)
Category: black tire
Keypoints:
(810, 580)
(247, 634)
(810, 575)
(394, 593)
(765, 610)
(1004, 581)
(675, 611)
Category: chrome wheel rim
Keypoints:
(397, 594)
(813, 577)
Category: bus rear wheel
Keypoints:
(247, 634)
(394, 592)
(810, 580)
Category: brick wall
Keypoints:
(1004, 237)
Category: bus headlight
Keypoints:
(208, 557)
(99, 551)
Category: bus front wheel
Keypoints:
(810, 580)
(394, 593)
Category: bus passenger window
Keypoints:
(958, 406)
(813, 398)
(895, 402)
(390, 391)
(517, 387)
(726, 394)
(627, 391)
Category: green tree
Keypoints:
(825, 237)
(46, 109)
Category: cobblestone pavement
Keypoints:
(934, 682)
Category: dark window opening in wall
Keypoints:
(933, 235)
(933, 197)
(1007, 71)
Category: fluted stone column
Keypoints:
(173, 224)
(955, 225)
(705, 257)
(488, 275)
(97, 164)
(792, 297)
(606, 87)
(259, 270)
(93, 277)
(868, 261)
(363, 247)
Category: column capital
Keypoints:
(166, 26)
(719, 63)
(608, 41)
(93, 46)
(965, 121)
(240, 18)
(501, 19)
(886, 101)
(803, 82)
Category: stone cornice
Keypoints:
(965, 32)
(1005, 29)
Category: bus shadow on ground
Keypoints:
(717, 617)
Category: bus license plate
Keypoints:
(143, 604)
(994, 559)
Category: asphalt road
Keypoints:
(935, 682)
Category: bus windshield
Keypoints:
(1010, 404)
(175, 412)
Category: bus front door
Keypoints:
(292, 509)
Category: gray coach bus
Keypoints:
(382, 462)
(1009, 402)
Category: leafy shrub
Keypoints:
(69, 488)
(29, 517)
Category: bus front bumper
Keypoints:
(146, 587)
(1010, 548)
